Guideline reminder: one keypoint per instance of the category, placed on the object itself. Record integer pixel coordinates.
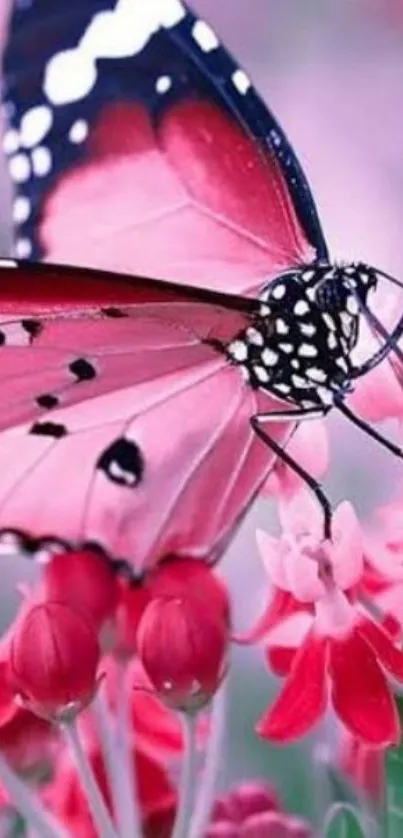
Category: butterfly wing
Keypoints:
(138, 439)
(136, 143)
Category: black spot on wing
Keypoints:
(82, 369)
(122, 462)
(111, 311)
(48, 429)
(32, 327)
(47, 400)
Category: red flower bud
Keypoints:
(182, 646)
(192, 579)
(53, 660)
(85, 580)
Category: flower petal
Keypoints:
(280, 659)
(272, 552)
(302, 700)
(389, 655)
(281, 606)
(302, 515)
(347, 547)
(360, 692)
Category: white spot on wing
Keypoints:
(204, 36)
(20, 168)
(163, 84)
(78, 132)
(23, 248)
(21, 209)
(241, 81)
(35, 124)
(118, 33)
(69, 77)
(11, 141)
(41, 161)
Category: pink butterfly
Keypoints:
(130, 406)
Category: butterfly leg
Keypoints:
(368, 429)
(287, 415)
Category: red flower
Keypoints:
(54, 657)
(84, 579)
(328, 648)
(252, 810)
(64, 796)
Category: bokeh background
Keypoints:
(332, 71)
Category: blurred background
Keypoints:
(333, 74)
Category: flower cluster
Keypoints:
(91, 672)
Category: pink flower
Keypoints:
(329, 649)
(252, 810)
(310, 448)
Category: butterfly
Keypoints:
(139, 414)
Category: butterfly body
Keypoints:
(299, 346)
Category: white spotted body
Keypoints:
(299, 346)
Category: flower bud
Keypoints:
(53, 661)
(190, 579)
(182, 646)
(85, 580)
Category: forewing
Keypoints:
(136, 143)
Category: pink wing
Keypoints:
(140, 441)
(191, 200)
(150, 153)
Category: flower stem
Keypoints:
(100, 814)
(188, 778)
(213, 761)
(129, 817)
(37, 819)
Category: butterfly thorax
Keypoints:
(299, 344)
